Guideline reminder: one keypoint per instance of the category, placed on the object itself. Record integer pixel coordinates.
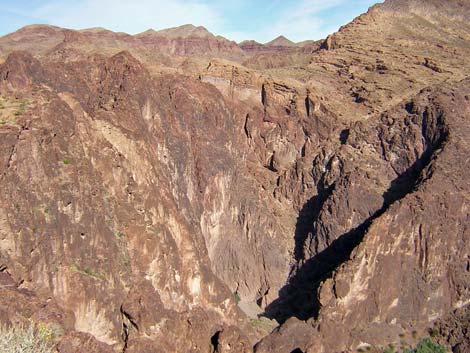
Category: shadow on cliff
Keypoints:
(307, 215)
(299, 297)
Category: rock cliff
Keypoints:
(174, 191)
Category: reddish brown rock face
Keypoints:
(151, 183)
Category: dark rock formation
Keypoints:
(151, 183)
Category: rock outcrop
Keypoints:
(151, 183)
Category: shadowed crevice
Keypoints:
(299, 297)
(305, 221)
(215, 341)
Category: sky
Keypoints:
(237, 20)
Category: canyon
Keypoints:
(174, 191)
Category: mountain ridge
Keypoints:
(175, 191)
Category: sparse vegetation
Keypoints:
(122, 244)
(427, 346)
(66, 161)
(237, 297)
(11, 109)
(21, 109)
(19, 339)
(87, 271)
(433, 332)
(126, 261)
(262, 324)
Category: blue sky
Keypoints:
(237, 20)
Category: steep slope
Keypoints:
(87, 220)
(393, 51)
(362, 277)
(180, 205)
(144, 193)
(405, 264)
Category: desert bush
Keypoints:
(427, 346)
(21, 109)
(21, 339)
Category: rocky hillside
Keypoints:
(174, 191)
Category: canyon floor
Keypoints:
(174, 191)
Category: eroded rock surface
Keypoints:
(151, 182)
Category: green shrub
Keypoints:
(433, 332)
(262, 324)
(18, 339)
(427, 346)
(21, 109)
(66, 161)
(237, 297)
(87, 271)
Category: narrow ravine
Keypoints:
(299, 297)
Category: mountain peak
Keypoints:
(37, 28)
(280, 41)
(184, 31)
(250, 42)
(94, 30)
(148, 32)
